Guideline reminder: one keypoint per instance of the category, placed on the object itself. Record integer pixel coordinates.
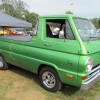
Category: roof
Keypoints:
(7, 20)
(61, 16)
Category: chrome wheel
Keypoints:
(48, 79)
(1, 62)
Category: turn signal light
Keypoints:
(83, 78)
(69, 76)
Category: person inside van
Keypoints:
(55, 31)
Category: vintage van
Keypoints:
(72, 59)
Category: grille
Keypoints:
(95, 71)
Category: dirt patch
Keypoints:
(98, 97)
(26, 95)
(17, 87)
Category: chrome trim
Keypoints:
(94, 76)
(95, 69)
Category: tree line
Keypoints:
(18, 9)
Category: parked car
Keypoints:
(18, 30)
(29, 32)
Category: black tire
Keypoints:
(49, 79)
(3, 64)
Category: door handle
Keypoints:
(46, 44)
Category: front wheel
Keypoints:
(3, 64)
(49, 79)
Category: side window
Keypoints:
(54, 28)
(59, 28)
(68, 31)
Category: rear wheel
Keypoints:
(3, 64)
(49, 79)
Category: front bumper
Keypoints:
(94, 76)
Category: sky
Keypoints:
(85, 8)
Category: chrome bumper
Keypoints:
(94, 76)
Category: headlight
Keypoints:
(89, 64)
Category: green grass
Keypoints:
(19, 84)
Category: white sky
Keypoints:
(85, 8)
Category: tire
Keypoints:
(49, 79)
(3, 64)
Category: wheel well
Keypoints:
(3, 57)
(1, 54)
(43, 65)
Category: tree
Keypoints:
(14, 8)
(18, 9)
(68, 12)
(7, 8)
(95, 22)
(99, 22)
(30, 17)
(21, 7)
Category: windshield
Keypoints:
(86, 29)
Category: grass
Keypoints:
(19, 84)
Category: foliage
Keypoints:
(12, 7)
(68, 12)
(18, 9)
(96, 22)
(99, 22)
(7, 8)
(30, 17)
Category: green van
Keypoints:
(71, 58)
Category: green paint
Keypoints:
(32, 54)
